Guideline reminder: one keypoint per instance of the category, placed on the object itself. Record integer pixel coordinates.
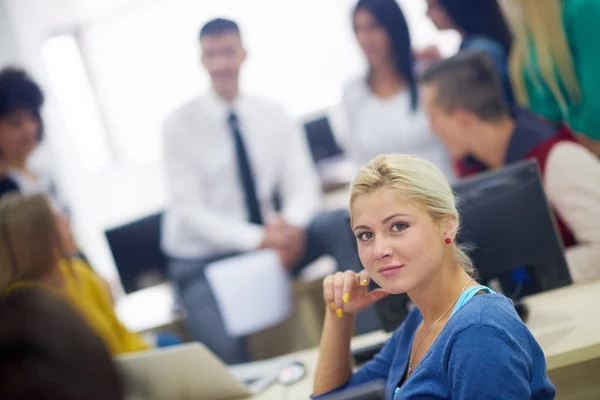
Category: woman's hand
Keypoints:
(348, 292)
(428, 54)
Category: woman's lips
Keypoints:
(390, 270)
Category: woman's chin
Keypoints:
(393, 286)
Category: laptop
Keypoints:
(188, 371)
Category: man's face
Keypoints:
(447, 126)
(222, 56)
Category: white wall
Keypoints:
(9, 52)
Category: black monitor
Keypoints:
(507, 222)
(321, 139)
(369, 391)
(508, 225)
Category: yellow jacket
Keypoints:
(84, 290)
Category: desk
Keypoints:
(566, 322)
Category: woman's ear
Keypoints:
(451, 227)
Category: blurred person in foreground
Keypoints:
(463, 97)
(48, 351)
(32, 253)
(241, 179)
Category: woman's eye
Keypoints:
(364, 236)
(399, 226)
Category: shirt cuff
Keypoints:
(250, 237)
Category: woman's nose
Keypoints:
(382, 251)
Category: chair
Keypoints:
(136, 250)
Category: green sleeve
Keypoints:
(582, 25)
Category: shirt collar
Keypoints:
(530, 131)
(221, 108)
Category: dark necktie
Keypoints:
(245, 172)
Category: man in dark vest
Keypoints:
(464, 100)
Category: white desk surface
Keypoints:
(566, 323)
(148, 309)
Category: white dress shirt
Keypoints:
(572, 185)
(208, 214)
(382, 126)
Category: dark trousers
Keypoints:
(327, 234)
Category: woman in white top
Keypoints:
(383, 107)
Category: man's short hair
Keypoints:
(219, 26)
(469, 80)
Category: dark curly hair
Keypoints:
(17, 92)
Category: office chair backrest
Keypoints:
(321, 139)
(137, 254)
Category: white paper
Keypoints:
(253, 291)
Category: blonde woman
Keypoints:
(462, 340)
(32, 252)
(555, 62)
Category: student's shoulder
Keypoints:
(184, 111)
(492, 313)
(567, 155)
(76, 269)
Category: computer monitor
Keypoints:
(321, 139)
(507, 222)
(508, 225)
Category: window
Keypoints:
(71, 85)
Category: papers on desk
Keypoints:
(253, 291)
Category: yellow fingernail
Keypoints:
(340, 313)
(332, 306)
(364, 282)
(346, 297)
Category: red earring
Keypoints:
(448, 240)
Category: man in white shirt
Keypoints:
(230, 159)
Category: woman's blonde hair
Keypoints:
(29, 239)
(418, 181)
(539, 27)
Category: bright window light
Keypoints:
(71, 86)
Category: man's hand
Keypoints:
(288, 240)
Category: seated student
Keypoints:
(463, 97)
(32, 254)
(227, 156)
(21, 131)
(382, 106)
(461, 341)
(47, 351)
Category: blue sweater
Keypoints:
(483, 352)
